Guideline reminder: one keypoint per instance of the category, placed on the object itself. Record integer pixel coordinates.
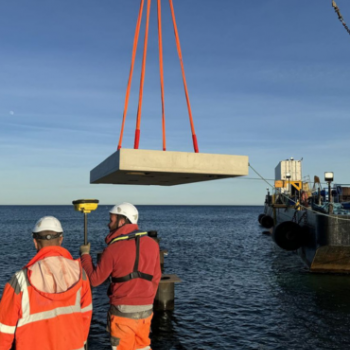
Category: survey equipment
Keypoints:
(86, 206)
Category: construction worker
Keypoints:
(47, 305)
(131, 259)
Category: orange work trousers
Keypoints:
(129, 334)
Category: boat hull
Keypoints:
(326, 241)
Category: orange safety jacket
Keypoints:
(47, 305)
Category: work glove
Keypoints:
(85, 249)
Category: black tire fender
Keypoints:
(260, 217)
(288, 235)
(267, 221)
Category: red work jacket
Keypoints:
(47, 305)
(118, 260)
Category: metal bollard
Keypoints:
(165, 297)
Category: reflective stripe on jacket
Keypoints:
(47, 305)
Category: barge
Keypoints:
(312, 221)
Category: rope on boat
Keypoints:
(341, 19)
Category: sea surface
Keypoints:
(238, 290)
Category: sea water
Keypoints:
(238, 290)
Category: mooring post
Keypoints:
(165, 297)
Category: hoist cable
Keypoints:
(194, 137)
(161, 70)
(341, 19)
(262, 178)
(134, 49)
(142, 79)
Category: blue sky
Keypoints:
(269, 79)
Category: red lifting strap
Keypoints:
(142, 79)
(161, 69)
(134, 49)
(194, 137)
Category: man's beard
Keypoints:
(113, 227)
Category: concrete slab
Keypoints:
(164, 168)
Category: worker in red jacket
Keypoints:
(47, 305)
(131, 259)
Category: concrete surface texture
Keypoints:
(148, 167)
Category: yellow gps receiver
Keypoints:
(85, 206)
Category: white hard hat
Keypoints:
(127, 210)
(48, 223)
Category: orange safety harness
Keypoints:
(143, 69)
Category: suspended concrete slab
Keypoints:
(164, 168)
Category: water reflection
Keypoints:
(238, 290)
(164, 335)
(314, 307)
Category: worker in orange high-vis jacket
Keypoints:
(131, 260)
(47, 305)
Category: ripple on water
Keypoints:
(239, 291)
